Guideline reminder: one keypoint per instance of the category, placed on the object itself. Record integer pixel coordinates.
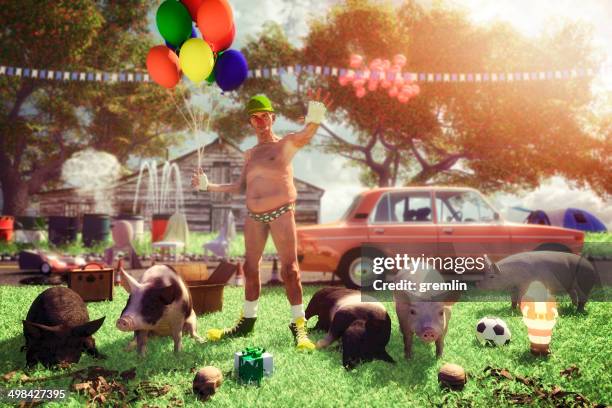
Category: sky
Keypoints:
(340, 180)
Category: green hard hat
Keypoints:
(259, 103)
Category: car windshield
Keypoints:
(463, 207)
(351, 207)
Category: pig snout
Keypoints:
(126, 323)
(429, 335)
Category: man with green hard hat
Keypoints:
(267, 181)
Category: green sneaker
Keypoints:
(243, 326)
(300, 335)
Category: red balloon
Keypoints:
(163, 66)
(192, 6)
(215, 21)
(227, 41)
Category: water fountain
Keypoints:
(158, 198)
(159, 195)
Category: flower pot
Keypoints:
(158, 226)
(63, 230)
(30, 223)
(96, 228)
(6, 227)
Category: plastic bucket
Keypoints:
(158, 226)
(6, 227)
(63, 230)
(96, 228)
(137, 223)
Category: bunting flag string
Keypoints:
(325, 71)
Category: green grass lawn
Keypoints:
(597, 244)
(317, 379)
(143, 246)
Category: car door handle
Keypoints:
(447, 230)
(379, 230)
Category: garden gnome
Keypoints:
(539, 310)
(267, 182)
(122, 233)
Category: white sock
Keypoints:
(297, 311)
(250, 308)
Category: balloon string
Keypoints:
(190, 111)
(180, 111)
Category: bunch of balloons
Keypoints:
(206, 58)
(377, 75)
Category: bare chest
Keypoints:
(272, 155)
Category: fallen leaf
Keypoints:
(570, 372)
(81, 386)
(9, 375)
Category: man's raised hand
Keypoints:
(318, 106)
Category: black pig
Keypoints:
(363, 325)
(57, 328)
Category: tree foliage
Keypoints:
(42, 122)
(491, 135)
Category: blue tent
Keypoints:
(569, 218)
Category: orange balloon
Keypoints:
(163, 66)
(215, 21)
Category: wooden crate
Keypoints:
(93, 282)
(191, 271)
(206, 298)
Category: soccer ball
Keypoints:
(493, 331)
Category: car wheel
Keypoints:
(553, 247)
(45, 268)
(355, 269)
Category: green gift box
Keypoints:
(252, 364)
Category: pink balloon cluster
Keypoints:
(377, 75)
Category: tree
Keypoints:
(494, 136)
(43, 122)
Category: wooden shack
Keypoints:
(221, 160)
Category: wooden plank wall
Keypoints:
(199, 206)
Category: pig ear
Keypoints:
(133, 284)
(88, 329)
(490, 266)
(167, 294)
(36, 330)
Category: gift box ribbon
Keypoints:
(253, 353)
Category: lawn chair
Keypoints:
(175, 238)
(220, 245)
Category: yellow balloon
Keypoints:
(196, 59)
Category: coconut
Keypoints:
(452, 376)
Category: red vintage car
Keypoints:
(431, 221)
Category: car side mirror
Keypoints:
(496, 217)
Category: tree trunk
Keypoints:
(15, 197)
(384, 178)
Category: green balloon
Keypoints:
(173, 22)
(211, 78)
